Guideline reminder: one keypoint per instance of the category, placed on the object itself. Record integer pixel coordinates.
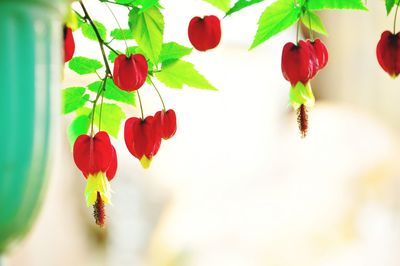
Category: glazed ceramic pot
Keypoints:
(30, 71)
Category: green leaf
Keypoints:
(336, 4)
(73, 98)
(144, 4)
(112, 92)
(132, 50)
(239, 5)
(112, 55)
(173, 50)
(78, 126)
(310, 18)
(111, 118)
(88, 32)
(124, 2)
(83, 65)
(221, 4)
(389, 5)
(277, 17)
(177, 73)
(122, 34)
(137, 50)
(148, 30)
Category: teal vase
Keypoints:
(30, 72)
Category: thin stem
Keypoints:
(395, 17)
(97, 74)
(112, 49)
(100, 40)
(79, 15)
(99, 92)
(159, 94)
(297, 32)
(115, 3)
(101, 108)
(116, 20)
(140, 104)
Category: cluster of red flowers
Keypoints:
(95, 156)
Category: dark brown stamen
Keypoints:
(302, 120)
(99, 212)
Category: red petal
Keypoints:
(69, 44)
(204, 33)
(388, 54)
(321, 53)
(93, 155)
(112, 169)
(297, 63)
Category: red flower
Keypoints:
(130, 72)
(97, 159)
(388, 53)
(320, 53)
(142, 138)
(204, 33)
(166, 122)
(69, 44)
(298, 63)
(93, 155)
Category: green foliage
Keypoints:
(83, 65)
(124, 2)
(221, 4)
(240, 4)
(143, 5)
(177, 73)
(73, 98)
(112, 92)
(111, 118)
(88, 32)
(277, 17)
(336, 4)
(121, 34)
(148, 30)
(310, 18)
(133, 50)
(78, 126)
(389, 5)
(112, 55)
(173, 50)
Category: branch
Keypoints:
(100, 40)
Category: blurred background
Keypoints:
(237, 185)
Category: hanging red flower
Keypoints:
(388, 53)
(69, 44)
(142, 138)
(97, 159)
(205, 33)
(166, 121)
(298, 63)
(130, 72)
